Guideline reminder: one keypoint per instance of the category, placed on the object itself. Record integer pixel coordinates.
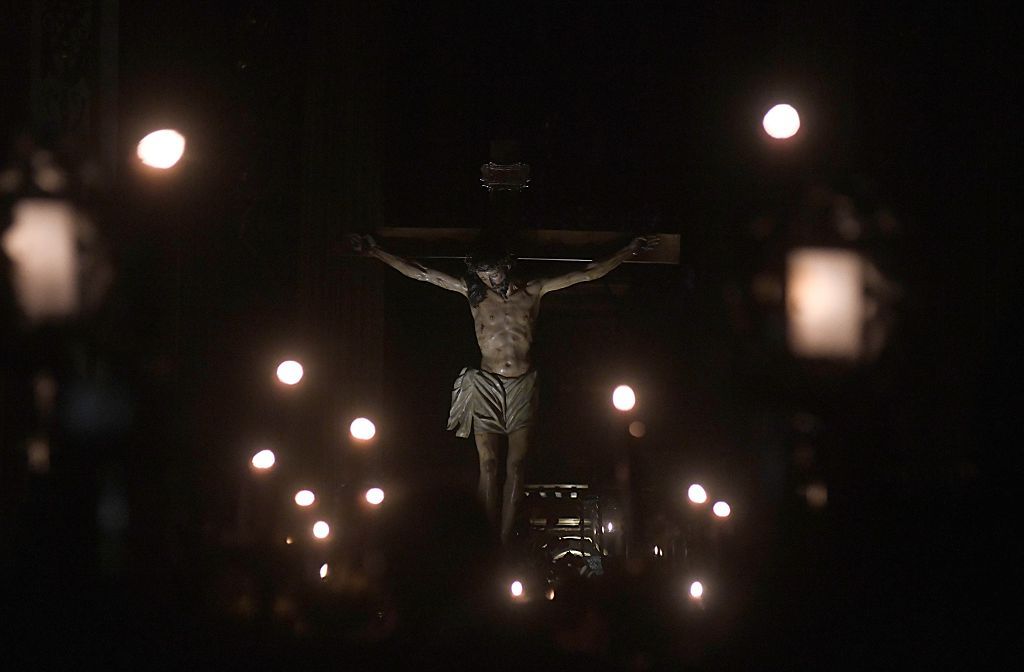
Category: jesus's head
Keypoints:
(489, 271)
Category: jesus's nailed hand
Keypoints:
(362, 244)
(645, 243)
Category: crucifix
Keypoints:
(497, 401)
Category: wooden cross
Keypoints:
(531, 245)
(550, 245)
(504, 178)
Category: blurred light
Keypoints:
(637, 429)
(657, 551)
(305, 497)
(161, 149)
(321, 529)
(289, 372)
(264, 459)
(611, 527)
(45, 388)
(516, 589)
(39, 455)
(375, 496)
(817, 495)
(696, 590)
(623, 398)
(825, 302)
(41, 243)
(697, 494)
(323, 571)
(721, 509)
(289, 540)
(362, 429)
(50, 178)
(549, 594)
(781, 122)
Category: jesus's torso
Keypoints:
(504, 330)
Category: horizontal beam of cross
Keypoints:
(530, 245)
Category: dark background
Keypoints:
(309, 121)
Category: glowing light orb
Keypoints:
(39, 455)
(781, 122)
(549, 594)
(516, 588)
(305, 497)
(825, 302)
(323, 571)
(623, 398)
(161, 149)
(696, 590)
(321, 529)
(289, 372)
(264, 459)
(611, 527)
(817, 494)
(637, 429)
(375, 496)
(41, 244)
(289, 540)
(362, 429)
(721, 509)
(697, 494)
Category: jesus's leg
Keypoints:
(487, 446)
(518, 446)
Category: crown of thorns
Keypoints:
(489, 262)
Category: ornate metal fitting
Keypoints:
(505, 176)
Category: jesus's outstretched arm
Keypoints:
(368, 247)
(600, 268)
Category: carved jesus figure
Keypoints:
(500, 398)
